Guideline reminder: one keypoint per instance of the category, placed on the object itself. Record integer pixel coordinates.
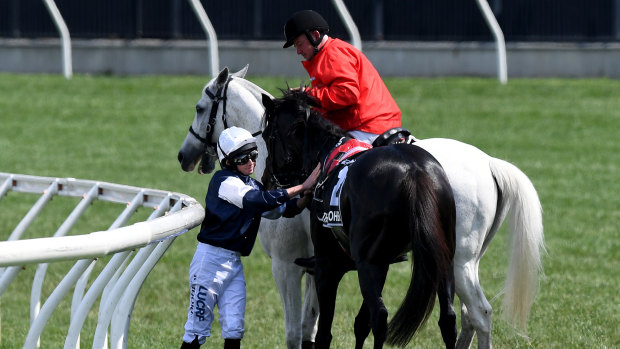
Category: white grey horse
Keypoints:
(237, 102)
(486, 190)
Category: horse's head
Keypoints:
(200, 142)
(284, 131)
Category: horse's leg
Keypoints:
(447, 315)
(330, 266)
(478, 309)
(372, 278)
(327, 278)
(283, 241)
(362, 326)
(309, 314)
(467, 330)
(287, 277)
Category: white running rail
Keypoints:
(207, 27)
(120, 281)
(489, 17)
(349, 23)
(65, 38)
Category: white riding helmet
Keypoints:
(234, 141)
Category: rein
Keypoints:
(275, 138)
(310, 149)
(219, 96)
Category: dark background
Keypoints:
(391, 20)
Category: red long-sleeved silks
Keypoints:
(350, 90)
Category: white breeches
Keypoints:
(215, 279)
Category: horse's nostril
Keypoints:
(180, 157)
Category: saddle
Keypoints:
(394, 135)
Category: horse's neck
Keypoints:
(319, 146)
(248, 110)
(247, 105)
(256, 90)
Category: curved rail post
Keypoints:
(211, 35)
(118, 284)
(502, 70)
(107, 307)
(65, 38)
(348, 23)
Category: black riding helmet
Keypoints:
(304, 22)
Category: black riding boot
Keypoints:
(232, 343)
(193, 345)
(307, 263)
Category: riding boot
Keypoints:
(193, 345)
(230, 343)
(307, 263)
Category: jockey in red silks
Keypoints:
(349, 89)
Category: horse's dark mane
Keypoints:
(294, 112)
(299, 101)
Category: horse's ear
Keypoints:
(268, 103)
(241, 73)
(222, 77)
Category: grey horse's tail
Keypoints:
(519, 200)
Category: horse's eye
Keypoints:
(199, 109)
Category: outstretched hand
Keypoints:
(305, 199)
(306, 195)
(312, 178)
(307, 184)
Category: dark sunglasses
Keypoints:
(243, 159)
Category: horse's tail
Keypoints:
(431, 222)
(518, 199)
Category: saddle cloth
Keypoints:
(331, 181)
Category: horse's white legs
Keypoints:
(310, 311)
(284, 240)
(288, 281)
(466, 336)
(476, 310)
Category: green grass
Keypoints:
(562, 133)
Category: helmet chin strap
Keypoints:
(316, 42)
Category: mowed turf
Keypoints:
(562, 133)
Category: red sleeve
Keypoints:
(338, 87)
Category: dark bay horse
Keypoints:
(367, 212)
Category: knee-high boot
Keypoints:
(232, 343)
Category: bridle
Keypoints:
(275, 138)
(219, 96)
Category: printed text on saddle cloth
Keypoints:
(339, 159)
